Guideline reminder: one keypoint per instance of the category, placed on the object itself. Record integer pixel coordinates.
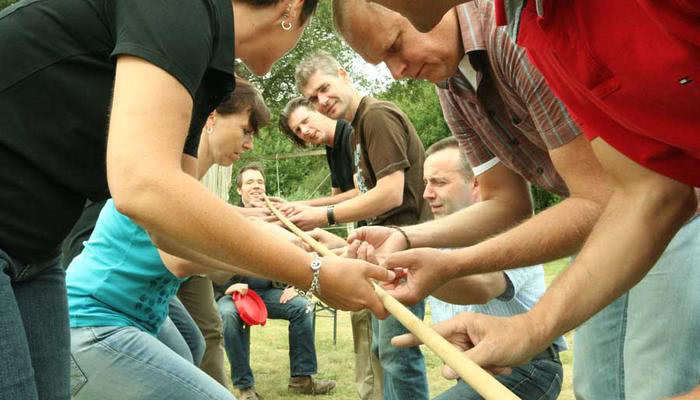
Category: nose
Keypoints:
(428, 193)
(248, 143)
(397, 67)
(305, 131)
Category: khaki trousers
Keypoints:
(368, 371)
(197, 294)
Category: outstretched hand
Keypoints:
(385, 240)
(345, 285)
(425, 271)
(495, 343)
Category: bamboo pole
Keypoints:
(476, 377)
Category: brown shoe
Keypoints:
(307, 385)
(248, 394)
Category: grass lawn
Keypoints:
(270, 359)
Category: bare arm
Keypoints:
(556, 232)
(474, 289)
(149, 185)
(336, 197)
(505, 202)
(644, 213)
(385, 196)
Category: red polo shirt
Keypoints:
(629, 72)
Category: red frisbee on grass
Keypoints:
(251, 308)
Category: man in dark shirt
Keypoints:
(388, 157)
(303, 125)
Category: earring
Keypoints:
(210, 130)
(286, 25)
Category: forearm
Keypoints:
(633, 231)
(468, 226)
(556, 232)
(368, 205)
(197, 220)
(476, 289)
(330, 200)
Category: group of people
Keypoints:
(134, 101)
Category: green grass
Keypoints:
(270, 359)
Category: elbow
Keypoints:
(393, 200)
(179, 269)
(135, 196)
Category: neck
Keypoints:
(354, 105)
(248, 22)
(329, 128)
(205, 159)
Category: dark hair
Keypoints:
(307, 9)
(255, 165)
(451, 142)
(291, 106)
(246, 95)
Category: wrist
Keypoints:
(402, 236)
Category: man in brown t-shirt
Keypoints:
(388, 157)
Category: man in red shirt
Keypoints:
(628, 72)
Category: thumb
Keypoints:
(380, 273)
(480, 354)
(357, 234)
(405, 340)
(399, 259)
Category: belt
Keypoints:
(550, 353)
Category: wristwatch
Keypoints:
(330, 215)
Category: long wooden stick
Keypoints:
(480, 380)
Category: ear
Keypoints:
(294, 8)
(476, 190)
(238, 190)
(342, 73)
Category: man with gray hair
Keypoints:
(514, 131)
(451, 186)
(388, 156)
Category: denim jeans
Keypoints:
(404, 368)
(645, 344)
(34, 335)
(302, 350)
(124, 362)
(536, 380)
(186, 329)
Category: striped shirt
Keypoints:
(499, 106)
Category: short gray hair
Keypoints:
(319, 61)
(451, 142)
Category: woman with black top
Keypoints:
(97, 99)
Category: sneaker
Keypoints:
(248, 394)
(307, 385)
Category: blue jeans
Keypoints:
(302, 350)
(404, 368)
(186, 329)
(34, 335)
(645, 344)
(537, 380)
(124, 362)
